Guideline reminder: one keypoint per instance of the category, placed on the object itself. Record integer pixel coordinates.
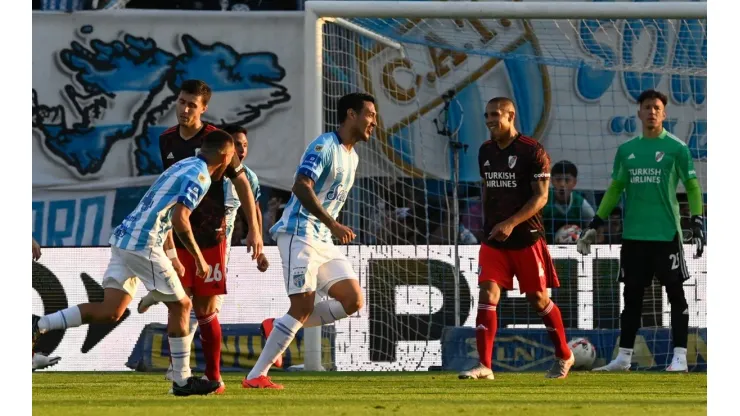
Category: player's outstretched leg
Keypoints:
(679, 326)
(630, 323)
(284, 330)
(486, 325)
(550, 313)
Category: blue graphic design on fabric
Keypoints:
(185, 182)
(137, 72)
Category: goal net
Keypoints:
(574, 71)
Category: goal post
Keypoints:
(604, 51)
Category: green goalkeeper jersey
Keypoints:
(650, 170)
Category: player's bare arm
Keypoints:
(502, 230)
(303, 190)
(36, 250)
(181, 224)
(249, 207)
(262, 263)
(171, 251)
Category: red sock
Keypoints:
(486, 324)
(554, 323)
(210, 339)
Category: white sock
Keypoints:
(67, 318)
(679, 352)
(283, 332)
(180, 354)
(193, 325)
(625, 354)
(325, 313)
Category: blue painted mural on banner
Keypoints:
(138, 72)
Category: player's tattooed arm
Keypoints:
(181, 224)
(303, 190)
(540, 192)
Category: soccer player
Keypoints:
(39, 360)
(241, 144)
(137, 252)
(311, 262)
(649, 167)
(208, 222)
(516, 178)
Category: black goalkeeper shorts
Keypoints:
(640, 261)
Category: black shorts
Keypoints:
(640, 261)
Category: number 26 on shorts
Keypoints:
(214, 274)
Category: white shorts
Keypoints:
(151, 266)
(311, 266)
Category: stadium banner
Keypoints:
(531, 349)
(105, 86)
(409, 301)
(578, 113)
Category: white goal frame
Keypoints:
(319, 12)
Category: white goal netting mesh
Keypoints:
(575, 84)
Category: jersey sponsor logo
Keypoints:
(311, 161)
(659, 156)
(170, 156)
(201, 178)
(500, 179)
(512, 162)
(487, 164)
(541, 175)
(337, 193)
(645, 175)
(318, 147)
(631, 156)
(139, 73)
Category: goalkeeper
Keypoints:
(648, 167)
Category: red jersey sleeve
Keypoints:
(540, 165)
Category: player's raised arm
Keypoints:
(687, 173)
(540, 183)
(235, 172)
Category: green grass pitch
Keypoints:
(419, 394)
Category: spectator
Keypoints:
(611, 231)
(564, 205)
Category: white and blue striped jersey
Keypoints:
(232, 202)
(185, 182)
(332, 168)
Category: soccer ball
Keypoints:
(567, 234)
(585, 353)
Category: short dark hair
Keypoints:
(235, 129)
(499, 100)
(354, 101)
(216, 142)
(564, 167)
(652, 95)
(197, 87)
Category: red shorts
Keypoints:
(532, 266)
(213, 284)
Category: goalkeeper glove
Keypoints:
(697, 234)
(588, 236)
